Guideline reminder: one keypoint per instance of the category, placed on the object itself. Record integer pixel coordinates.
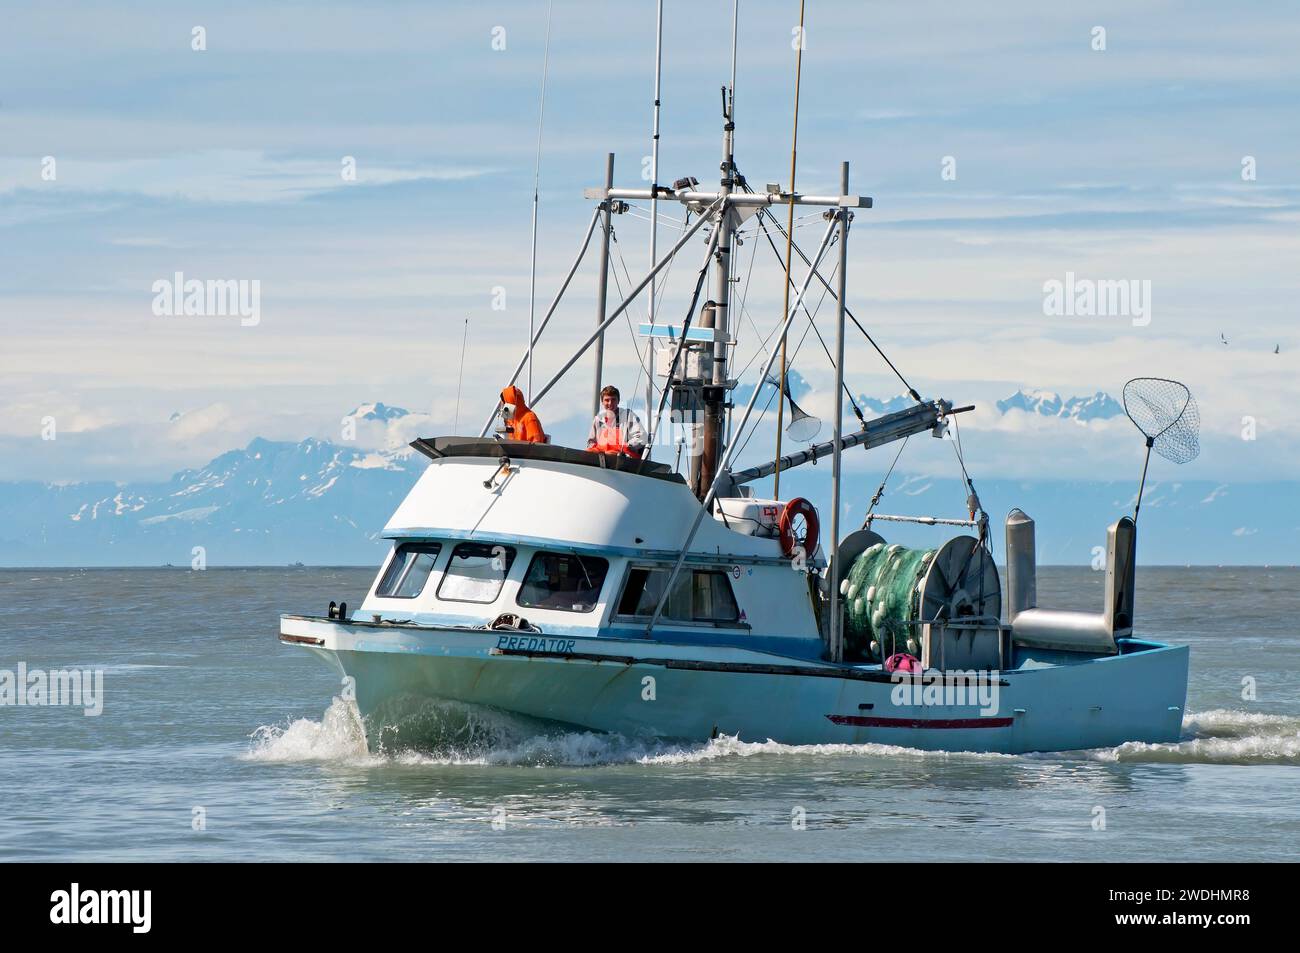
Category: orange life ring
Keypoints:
(789, 538)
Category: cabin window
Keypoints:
(699, 595)
(563, 581)
(408, 570)
(475, 572)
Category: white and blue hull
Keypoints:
(639, 687)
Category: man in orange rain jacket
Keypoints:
(522, 423)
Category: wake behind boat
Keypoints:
(612, 592)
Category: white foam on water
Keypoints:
(1220, 736)
(338, 736)
(454, 734)
(457, 734)
(730, 746)
(568, 749)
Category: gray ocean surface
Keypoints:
(206, 716)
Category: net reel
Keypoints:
(890, 591)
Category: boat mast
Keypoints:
(837, 634)
(714, 393)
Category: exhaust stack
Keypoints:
(1022, 564)
(1061, 629)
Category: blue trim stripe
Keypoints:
(632, 552)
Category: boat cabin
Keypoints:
(581, 544)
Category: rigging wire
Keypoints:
(856, 409)
(870, 340)
(972, 499)
(677, 353)
(744, 296)
(880, 491)
(763, 350)
(646, 362)
(798, 347)
(642, 361)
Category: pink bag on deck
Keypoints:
(902, 662)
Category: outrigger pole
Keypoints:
(877, 432)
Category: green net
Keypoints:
(880, 599)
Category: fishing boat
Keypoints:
(613, 592)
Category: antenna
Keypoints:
(654, 201)
(460, 376)
(789, 241)
(1166, 413)
(537, 174)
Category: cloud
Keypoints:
(226, 164)
(223, 175)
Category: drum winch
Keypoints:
(891, 590)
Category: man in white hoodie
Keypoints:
(615, 430)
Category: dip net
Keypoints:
(1166, 413)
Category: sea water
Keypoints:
(216, 742)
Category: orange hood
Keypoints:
(513, 395)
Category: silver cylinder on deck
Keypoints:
(1062, 629)
(1022, 564)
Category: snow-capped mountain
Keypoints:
(871, 405)
(269, 502)
(326, 502)
(1100, 406)
(799, 388)
(378, 411)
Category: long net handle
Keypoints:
(1138, 505)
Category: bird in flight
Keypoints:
(1222, 338)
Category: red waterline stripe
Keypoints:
(863, 721)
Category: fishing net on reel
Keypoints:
(1166, 413)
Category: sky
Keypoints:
(1002, 146)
